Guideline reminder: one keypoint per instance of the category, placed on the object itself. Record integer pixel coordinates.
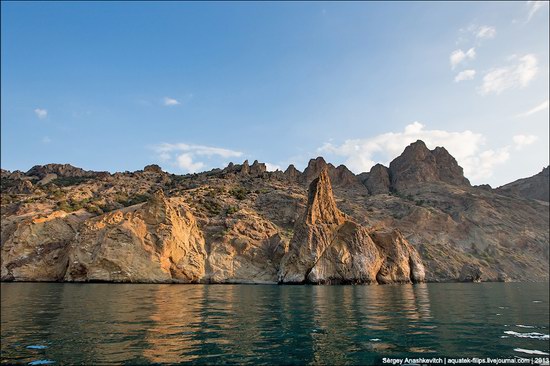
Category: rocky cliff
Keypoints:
(418, 219)
(329, 247)
(535, 187)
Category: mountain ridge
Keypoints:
(249, 218)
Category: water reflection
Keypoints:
(212, 324)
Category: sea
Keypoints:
(102, 324)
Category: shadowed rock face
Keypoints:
(36, 248)
(378, 180)
(418, 164)
(60, 170)
(328, 247)
(292, 174)
(340, 176)
(536, 187)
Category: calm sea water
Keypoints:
(269, 324)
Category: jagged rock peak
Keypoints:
(245, 168)
(448, 169)
(314, 168)
(153, 168)
(418, 164)
(61, 170)
(292, 174)
(378, 180)
(321, 205)
(258, 168)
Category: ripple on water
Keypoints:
(41, 362)
(532, 335)
(531, 351)
(36, 346)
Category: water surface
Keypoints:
(269, 324)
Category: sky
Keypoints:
(193, 86)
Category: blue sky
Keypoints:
(191, 86)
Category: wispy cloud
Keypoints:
(170, 102)
(538, 108)
(534, 7)
(41, 113)
(458, 56)
(465, 75)
(46, 140)
(485, 32)
(465, 146)
(523, 140)
(513, 76)
(186, 156)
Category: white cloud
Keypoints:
(485, 32)
(170, 102)
(272, 167)
(465, 75)
(534, 7)
(481, 166)
(197, 150)
(523, 140)
(457, 56)
(465, 146)
(41, 113)
(509, 77)
(540, 107)
(184, 156)
(185, 162)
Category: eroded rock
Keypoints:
(158, 241)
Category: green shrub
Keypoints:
(239, 193)
(69, 181)
(140, 198)
(212, 206)
(231, 210)
(93, 209)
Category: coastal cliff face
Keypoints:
(329, 247)
(417, 220)
(158, 241)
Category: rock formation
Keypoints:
(328, 247)
(249, 252)
(536, 187)
(292, 174)
(61, 170)
(35, 247)
(257, 169)
(153, 168)
(158, 241)
(417, 164)
(340, 176)
(378, 180)
(245, 224)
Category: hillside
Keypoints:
(418, 219)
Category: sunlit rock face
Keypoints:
(158, 241)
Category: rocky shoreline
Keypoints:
(418, 220)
